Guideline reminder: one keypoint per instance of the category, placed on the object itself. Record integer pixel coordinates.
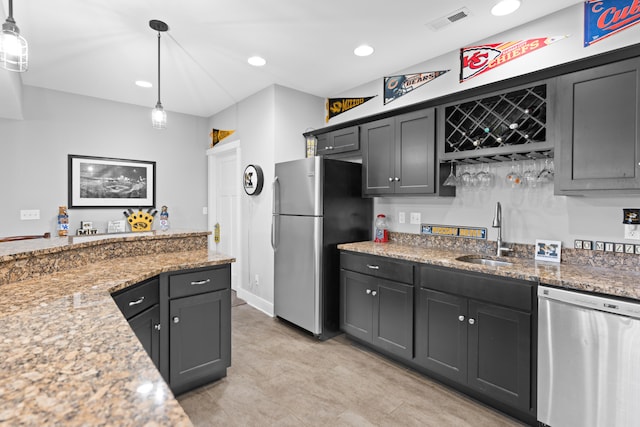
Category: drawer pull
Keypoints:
(472, 321)
(373, 267)
(136, 302)
(461, 318)
(368, 291)
(201, 282)
(157, 327)
(374, 293)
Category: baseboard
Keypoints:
(255, 301)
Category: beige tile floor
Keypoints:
(282, 377)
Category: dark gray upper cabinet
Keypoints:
(398, 155)
(598, 145)
(339, 141)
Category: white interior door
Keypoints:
(224, 203)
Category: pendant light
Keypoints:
(14, 50)
(158, 115)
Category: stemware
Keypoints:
(513, 177)
(546, 174)
(530, 175)
(451, 180)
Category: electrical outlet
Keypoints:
(401, 218)
(631, 232)
(205, 210)
(256, 280)
(29, 214)
(415, 218)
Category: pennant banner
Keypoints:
(396, 86)
(603, 18)
(477, 60)
(218, 135)
(337, 106)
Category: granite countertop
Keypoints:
(601, 280)
(68, 356)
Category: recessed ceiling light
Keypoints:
(363, 50)
(257, 61)
(143, 83)
(505, 7)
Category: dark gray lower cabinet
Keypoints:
(197, 307)
(146, 326)
(477, 331)
(200, 337)
(376, 310)
(183, 320)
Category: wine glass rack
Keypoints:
(500, 127)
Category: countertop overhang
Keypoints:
(609, 281)
(67, 354)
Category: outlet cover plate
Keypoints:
(415, 218)
(29, 214)
(631, 232)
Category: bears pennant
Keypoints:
(396, 86)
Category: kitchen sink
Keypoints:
(485, 260)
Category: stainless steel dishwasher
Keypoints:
(588, 360)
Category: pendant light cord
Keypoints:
(158, 67)
(10, 17)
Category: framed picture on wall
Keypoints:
(101, 182)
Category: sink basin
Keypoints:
(483, 260)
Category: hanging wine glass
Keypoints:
(451, 180)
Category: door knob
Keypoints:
(176, 319)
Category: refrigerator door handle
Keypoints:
(275, 230)
(275, 186)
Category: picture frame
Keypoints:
(548, 250)
(103, 182)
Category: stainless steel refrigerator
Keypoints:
(317, 204)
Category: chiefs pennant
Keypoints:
(477, 60)
(337, 106)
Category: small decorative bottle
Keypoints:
(164, 219)
(63, 221)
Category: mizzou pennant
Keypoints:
(337, 106)
(603, 18)
(477, 60)
(396, 86)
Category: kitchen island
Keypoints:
(67, 355)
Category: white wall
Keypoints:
(569, 21)
(269, 125)
(33, 160)
(530, 213)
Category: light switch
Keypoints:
(401, 218)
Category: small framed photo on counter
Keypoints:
(548, 250)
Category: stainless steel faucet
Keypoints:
(497, 223)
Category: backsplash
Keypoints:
(620, 261)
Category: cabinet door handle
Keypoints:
(136, 302)
(373, 267)
(176, 319)
(472, 321)
(368, 291)
(157, 327)
(374, 293)
(461, 318)
(201, 282)
(390, 179)
(396, 179)
(330, 147)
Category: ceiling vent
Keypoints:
(448, 19)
